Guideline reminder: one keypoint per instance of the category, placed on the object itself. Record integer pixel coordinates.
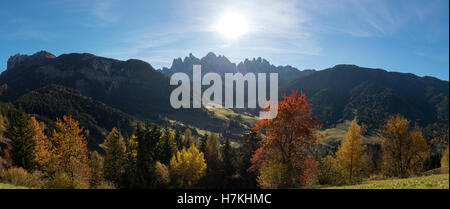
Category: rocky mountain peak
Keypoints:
(15, 60)
(18, 59)
(43, 54)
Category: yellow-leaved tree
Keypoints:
(71, 151)
(403, 147)
(350, 152)
(187, 166)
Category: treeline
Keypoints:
(290, 155)
(152, 157)
(283, 152)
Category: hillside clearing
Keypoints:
(336, 134)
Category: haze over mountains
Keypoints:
(98, 91)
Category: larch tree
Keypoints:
(350, 152)
(147, 139)
(403, 147)
(71, 149)
(115, 156)
(44, 155)
(288, 143)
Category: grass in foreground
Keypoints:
(424, 182)
(10, 186)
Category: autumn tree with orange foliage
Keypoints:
(71, 151)
(43, 151)
(283, 160)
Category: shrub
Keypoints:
(21, 177)
(330, 172)
(62, 181)
(105, 185)
(273, 175)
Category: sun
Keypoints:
(232, 26)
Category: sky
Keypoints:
(409, 36)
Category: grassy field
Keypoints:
(425, 182)
(336, 134)
(439, 181)
(10, 186)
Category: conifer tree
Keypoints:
(22, 142)
(250, 143)
(166, 146)
(202, 145)
(228, 158)
(147, 139)
(115, 156)
(178, 139)
(213, 154)
(128, 180)
(214, 159)
(350, 151)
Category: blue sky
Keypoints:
(396, 35)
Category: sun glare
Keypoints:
(232, 26)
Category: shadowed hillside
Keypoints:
(54, 101)
(345, 91)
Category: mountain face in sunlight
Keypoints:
(220, 64)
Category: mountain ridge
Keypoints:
(342, 92)
(220, 64)
(134, 87)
